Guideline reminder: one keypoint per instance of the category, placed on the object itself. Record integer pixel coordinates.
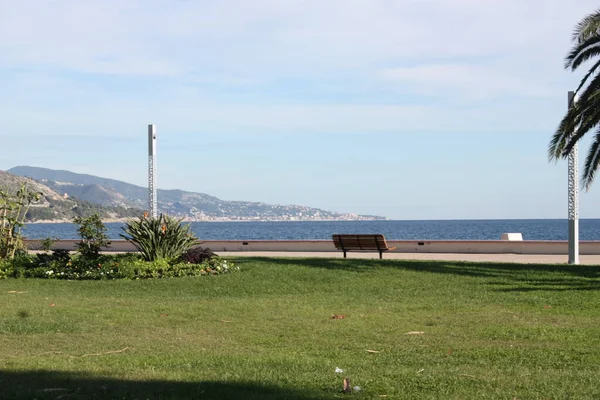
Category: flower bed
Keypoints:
(59, 265)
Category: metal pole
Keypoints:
(152, 198)
(573, 197)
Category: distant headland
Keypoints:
(67, 194)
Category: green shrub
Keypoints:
(162, 238)
(47, 243)
(93, 236)
(197, 255)
(158, 270)
(18, 266)
(6, 269)
(59, 256)
(132, 268)
(13, 208)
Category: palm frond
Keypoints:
(564, 133)
(580, 119)
(587, 27)
(592, 162)
(590, 91)
(587, 123)
(583, 116)
(582, 52)
(587, 76)
(588, 118)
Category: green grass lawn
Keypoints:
(490, 331)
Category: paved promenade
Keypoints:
(508, 258)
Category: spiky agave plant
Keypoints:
(159, 238)
(584, 115)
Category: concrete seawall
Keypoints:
(402, 246)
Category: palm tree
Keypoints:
(584, 115)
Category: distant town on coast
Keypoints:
(67, 194)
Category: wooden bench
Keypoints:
(362, 242)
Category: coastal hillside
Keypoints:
(189, 205)
(58, 206)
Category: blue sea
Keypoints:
(533, 229)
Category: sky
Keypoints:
(409, 109)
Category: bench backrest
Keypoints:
(360, 242)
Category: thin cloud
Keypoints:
(267, 37)
(233, 65)
(472, 81)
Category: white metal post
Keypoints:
(152, 198)
(573, 197)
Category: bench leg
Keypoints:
(381, 255)
(344, 254)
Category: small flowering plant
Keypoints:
(218, 266)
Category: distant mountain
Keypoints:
(87, 187)
(54, 205)
(188, 205)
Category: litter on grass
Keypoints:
(347, 388)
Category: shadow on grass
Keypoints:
(62, 385)
(526, 277)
